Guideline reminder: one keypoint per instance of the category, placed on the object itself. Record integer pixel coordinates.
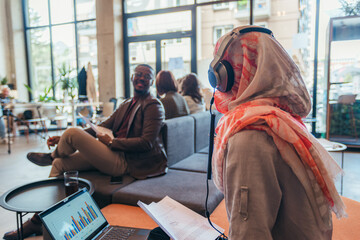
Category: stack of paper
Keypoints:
(178, 221)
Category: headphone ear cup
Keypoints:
(212, 77)
(226, 75)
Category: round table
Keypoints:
(335, 147)
(36, 197)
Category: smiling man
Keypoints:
(136, 148)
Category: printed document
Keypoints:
(97, 129)
(178, 221)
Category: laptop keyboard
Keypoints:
(118, 233)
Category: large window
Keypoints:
(60, 34)
(293, 23)
(205, 21)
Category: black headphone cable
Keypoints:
(222, 236)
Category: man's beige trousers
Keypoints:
(78, 150)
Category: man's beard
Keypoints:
(141, 91)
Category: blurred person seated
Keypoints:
(207, 95)
(135, 150)
(174, 104)
(86, 111)
(4, 99)
(190, 89)
(179, 82)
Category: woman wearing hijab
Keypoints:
(174, 104)
(276, 178)
(190, 89)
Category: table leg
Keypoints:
(8, 130)
(342, 177)
(19, 224)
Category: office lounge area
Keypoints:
(113, 36)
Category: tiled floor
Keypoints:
(15, 170)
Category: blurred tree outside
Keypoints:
(350, 7)
(40, 56)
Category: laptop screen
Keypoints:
(75, 217)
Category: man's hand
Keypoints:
(52, 141)
(104, 138)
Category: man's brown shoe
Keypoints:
(30, 227)
(41, 159)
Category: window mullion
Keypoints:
(51, 52)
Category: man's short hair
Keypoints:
(145, 65)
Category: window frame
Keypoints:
(27, 28)
(223, 31)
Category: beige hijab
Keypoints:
(269, 95)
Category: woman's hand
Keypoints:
(104, 138)
(52, 141)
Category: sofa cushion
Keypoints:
(188, 188)
(197, 162)
(205, 150)
(178, 135)
(103, 188)
(202, 128)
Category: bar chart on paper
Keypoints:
(85, 217)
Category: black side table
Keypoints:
(36, 197)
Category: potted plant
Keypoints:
(45, 96)
(3, 81)
(68, 83)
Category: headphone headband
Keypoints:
(256, 29)
(228, 39)
(216, 65)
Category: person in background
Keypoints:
(4, 99)
(207, 94)
(277, 179)
(136, 148)
(190, 89)
(174, 104)
(86, 111)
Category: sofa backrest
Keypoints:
(178, 137)
(202, 128)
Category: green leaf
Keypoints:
(3, 81)
(28, 88)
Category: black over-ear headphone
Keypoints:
(221, 73)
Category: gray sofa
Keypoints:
(186, 142)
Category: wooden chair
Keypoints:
(38, 122)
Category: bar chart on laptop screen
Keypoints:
(76, 219)
(80, 222)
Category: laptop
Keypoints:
(79, 217)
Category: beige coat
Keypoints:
(174, 105)
(264, 199)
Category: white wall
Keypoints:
(17, 49)
(4, 58)
(110, 50)
(12, 46)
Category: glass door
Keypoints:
(176, 56)
(168, 43)
(173, 55)
(140, 53)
